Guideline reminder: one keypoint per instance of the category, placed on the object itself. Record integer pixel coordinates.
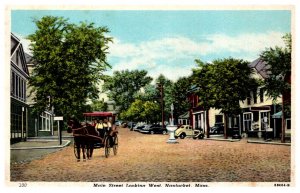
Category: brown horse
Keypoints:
(84, 137)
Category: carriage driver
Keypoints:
(99, 128)
(107, 126)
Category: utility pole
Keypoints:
(161, 90)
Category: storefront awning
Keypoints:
(262, 108)
(277, 115)
(184, 116)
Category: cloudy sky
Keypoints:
(168, 41)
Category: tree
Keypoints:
(123, 86)
(149, 93)
(224, 83)
(134, 112)
(70, 60)
(164, 88)
(142, 111)
(179, 92)
(278, 82)
(99, 105)
(151, 111)
(203, 79)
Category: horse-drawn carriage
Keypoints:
(87, 138)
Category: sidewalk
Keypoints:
(35, 149)
(39, 144)
(249, 140)
(270, 141)
(220, 138)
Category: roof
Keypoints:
(260, 66)
(29, 59)
(17, 52)
(98, 114)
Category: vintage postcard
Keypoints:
(154, 97)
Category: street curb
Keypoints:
(48, 137)
(229, 140)
(270, 143)
(45, 147)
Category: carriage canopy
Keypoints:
(89, 116)
(98, 114)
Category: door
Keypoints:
(264, 120)
(247, 122)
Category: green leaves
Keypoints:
(69, 62)
(124, 85)
(223, 83)
(142, 111)
(279, 69)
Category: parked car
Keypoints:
(131, 125)
(186, 130)
(155, 128)
(118, 122)
(218, 128)
(235, 134)
(138, 127)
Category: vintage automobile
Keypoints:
(187, 130)
(218, 128)
(155, 128)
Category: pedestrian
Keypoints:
(265, 123)
(94, 123)
(100, 129)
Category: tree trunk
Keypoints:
(207, 123)
(283, 121)
(225, 126)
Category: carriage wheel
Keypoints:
(106, 147)
(75, 150)
(115, 146)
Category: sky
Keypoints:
(168, 41)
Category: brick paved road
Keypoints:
(144, 157)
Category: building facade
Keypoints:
(260, 117)
(18, 79)
(38, 124)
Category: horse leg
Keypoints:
(78, 151)
(91, 149)
(83, 151)
(88, 151)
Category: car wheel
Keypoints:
(201, 136)
(152, 132)
(164, 132)
(182, 136)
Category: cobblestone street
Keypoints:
(143, 158)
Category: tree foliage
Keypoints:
(167, 93)
(180, 90)
(142, 111)
(124, 85)
(69, 61)
(279, 70)
(98, 105)
(222, 84)
(278, 82)
(233, 84)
